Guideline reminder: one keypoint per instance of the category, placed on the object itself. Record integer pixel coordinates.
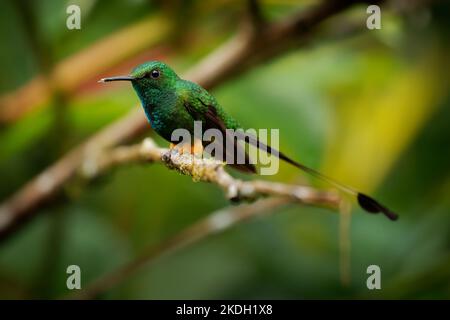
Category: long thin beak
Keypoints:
(118, 78)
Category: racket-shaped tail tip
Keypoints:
(373, 206)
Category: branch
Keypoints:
(215, 222)
(200, 169)
(206, 170)
(246, 49)
(69, 74)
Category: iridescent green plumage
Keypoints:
(172, 103)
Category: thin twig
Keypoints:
(345, 242)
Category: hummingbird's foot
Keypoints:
(197, 148)
(181, 148)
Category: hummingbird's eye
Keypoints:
(154, 74)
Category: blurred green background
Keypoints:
(371, 108)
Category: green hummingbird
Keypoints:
(172, 103)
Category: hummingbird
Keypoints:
(171, 103)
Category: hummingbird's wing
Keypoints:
(203, 108)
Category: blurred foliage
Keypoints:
(372, 109)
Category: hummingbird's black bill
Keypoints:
(118, 78)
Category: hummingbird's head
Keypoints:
(152, 74)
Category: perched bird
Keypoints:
(171, 103)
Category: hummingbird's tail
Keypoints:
(366, 202)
